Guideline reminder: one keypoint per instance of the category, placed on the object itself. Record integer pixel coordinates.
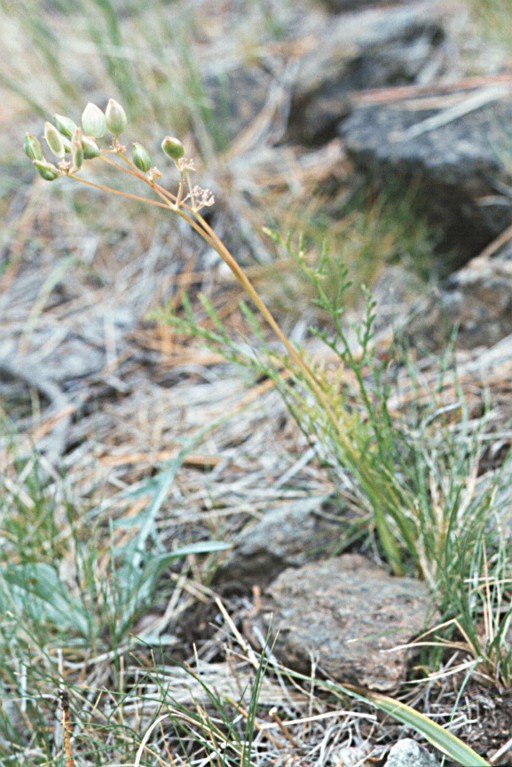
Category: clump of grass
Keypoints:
(72, 587)
(419, 485)
(368, 231)
(367, 234)
(416, 474)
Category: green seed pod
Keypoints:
(54, 139)
(64, 125)
(141, 157)
(32, 147)
(90, 147)
(77, 152)
(173, 148)
(115, 117)
(94, 121)
(46, 170)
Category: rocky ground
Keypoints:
(380, 89)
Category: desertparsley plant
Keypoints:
(98, 139)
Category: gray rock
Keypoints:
(347, 613)
(288, 536)
(477, 298)
(369, 49)
(407, 753)
(461, 169)
(338, 6)
(351, 756)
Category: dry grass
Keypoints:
(77, 283)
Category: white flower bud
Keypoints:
(94, 122)
(54, 139)
(115, 117)
(173, 148)
(64, 125)
(47, 170)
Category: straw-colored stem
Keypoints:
(118, 192)
(271, 321)
(198, 223)
(201, 226)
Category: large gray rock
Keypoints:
(347, 613)
(407, 753)
(339, 6)
(369, 49)
(461, 169)
(477, 298)
(288, 536)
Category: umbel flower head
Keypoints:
(74, 144)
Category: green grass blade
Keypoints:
(445, 741)
(437, 736)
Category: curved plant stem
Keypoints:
(189, 213)
(118, 192)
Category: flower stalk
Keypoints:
(186, 203)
